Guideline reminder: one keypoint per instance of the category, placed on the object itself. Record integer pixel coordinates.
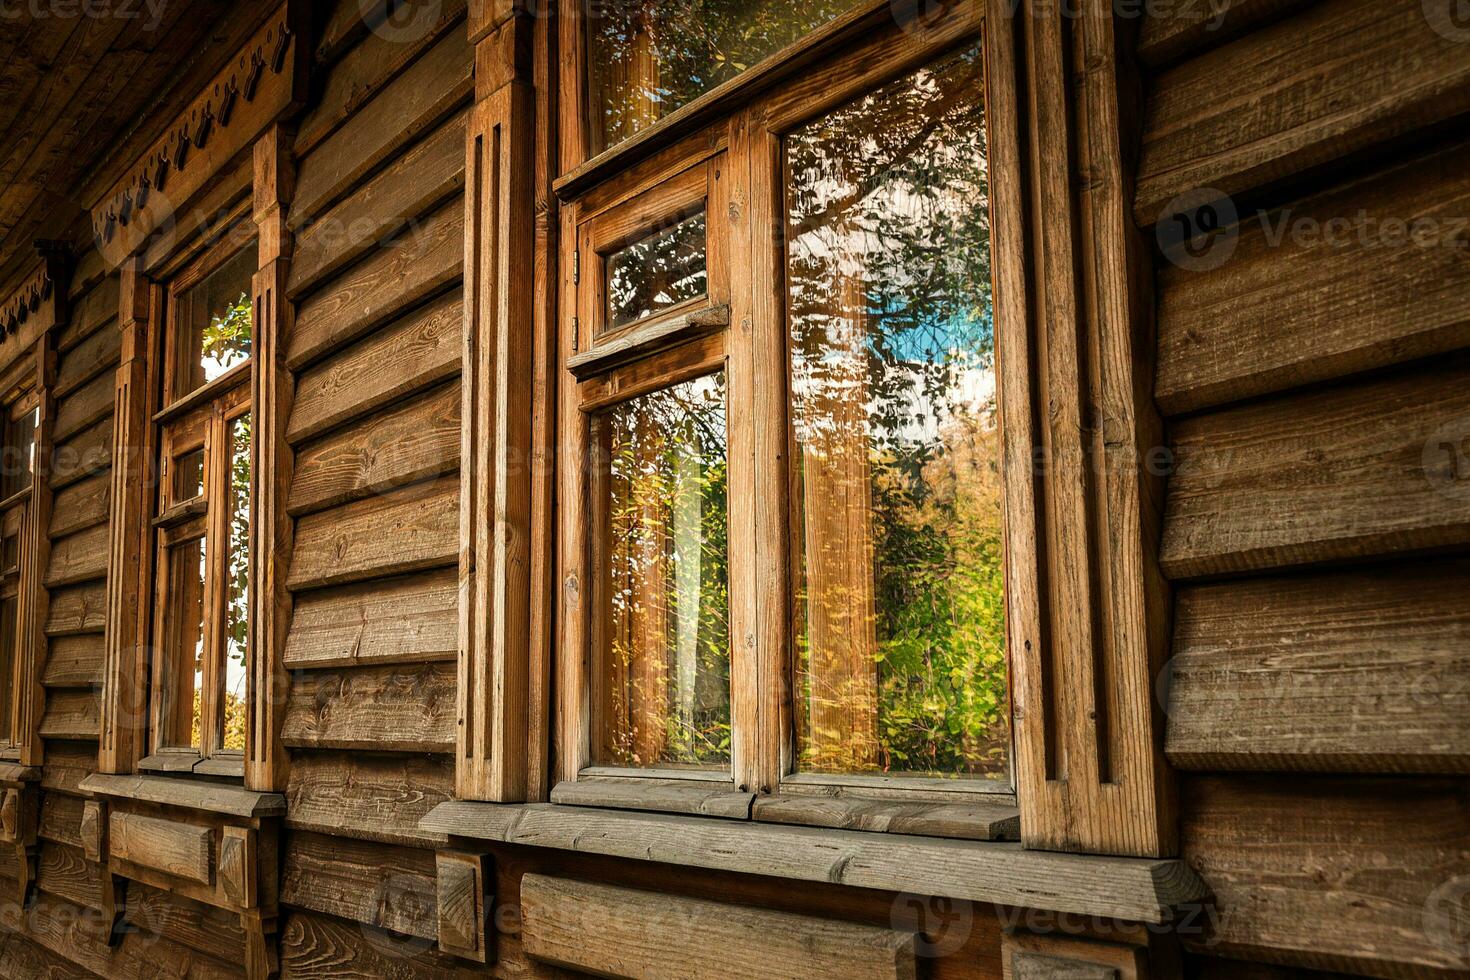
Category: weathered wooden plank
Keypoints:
(627, 932)
(1323, 287)
(87, 405)
(369, 65)
(1357, 671)
(87, 452)
(423, 348)
(231, 800)
(1137, 889)
(971, 821)
(408, 530)
(408, 708)
(78, 557)
(711, 800)
(71, 715)
(77, 609)
(181, 850)
(1168, 34)
(81, 506)
(408, 620)
(75, 661)
(61, 819)
(425, 259)
(67, 764)
(64, 872)
(411, 442)
(89, 359)
(1333, 79)
(412, 104)
(1358, 875)
(373, 884)
(90, 313)
(21, 959)
(376, 213)
(373, 797)
(214, 932)
(314, 947)
(1347, 472)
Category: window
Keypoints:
(782, 428)
(202, 570)
(17, 468)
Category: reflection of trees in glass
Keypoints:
(237, 578)
(901, 649)
(649, 57)
(666, 579)
(226, 338)
(660, 271)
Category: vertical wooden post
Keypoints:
(498, 393)
(123, 726)
(1088, 609)
(271, 528)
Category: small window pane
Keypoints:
(188, 476)
(649, 57)
(184, 643)
(9, 610)
(214, 324)
(19, 460)
(664, 601)
(237, 586)
(900, 648)
(10, 555)
(661, 271)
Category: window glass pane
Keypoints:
(188, 476)
(19, 460)
(8, 623)
(10, 555)
(663, 600)
(184, 643)
(649, 57)
(237, 586)
(214, 324)
(662, 270)
(899, 644)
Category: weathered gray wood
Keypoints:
(1359, 671)
(232, 801)
(80, 557)
(1190, 26)
(372, 884)
(76, 610)
(411, 529)
(1348, 472)
(406, 708)
(81, 506)
(631, 933)
(1139, 889)
(74, 661)
(368, 796)
(675, 796)
(970, 821)
(71, 715)
(407, 620)
(180, 850)
(423, 348)
(1323, 288)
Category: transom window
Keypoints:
(202, 522)
(782, 426)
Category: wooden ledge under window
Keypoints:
(193, 794)
(1133, 889)
(14, 772)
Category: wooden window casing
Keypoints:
(726, 145)
(18, 574)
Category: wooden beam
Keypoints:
(496, 435)
(462, 905)
(1087, 609)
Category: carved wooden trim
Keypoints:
(462, 905)
(1087, 609)
(495, 478)
(265, 82)
(20, 807)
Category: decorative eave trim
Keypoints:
(26, 301)
(264, 82)
(40, 301)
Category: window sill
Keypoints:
(191, 794)
(13, 772)
(1132, 889)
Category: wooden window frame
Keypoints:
(22, 582)
(198, 420)
(753, 113)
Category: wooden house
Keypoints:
(656, 488)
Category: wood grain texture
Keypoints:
(407, 620)
(1139, 889)
(626, 932)
(389, 709)
(368, 796)
(1353, 471)
(315, 947)
(65, 872)
(86, 453)
(411, 529)
(423, 347)
(1324, 287)
(90, 312)
(223, 798)
(67, 764)
(61, 819)
(211, 931)
(380, 209)
(414, 440)
(1355, 671)
(77, 609)
(460, 896)
(411, 105)
(75, 661)
(71, 715)
(1355, 875)
(427, 258)
(968, 821)
(90, 359)
(87, 405)
(1168, 34)
(80, 557)
(81, 506)
(674, 796)
(177, 849)
(374, 884)
(1335, 78)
